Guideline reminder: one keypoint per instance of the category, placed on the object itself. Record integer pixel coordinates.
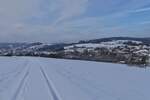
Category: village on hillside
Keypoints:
(116, 51)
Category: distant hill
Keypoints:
(144, 40)
(59, 46)
(126, 50)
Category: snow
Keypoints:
(29, 78)
(93, 45)
(142, 52)
(108, 44)
(36, 47)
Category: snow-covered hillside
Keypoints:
(134, 51)
(108, 44)
(29, 78)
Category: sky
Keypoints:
(72, 20)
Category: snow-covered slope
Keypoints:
(108, 44)
(28, 78)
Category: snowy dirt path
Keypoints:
(29, 78)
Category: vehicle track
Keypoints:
(53, 92)
(21, 84)
(12, 73)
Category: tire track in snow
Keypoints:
(87, 83)
(50, 86)
(11, 73)
(6, 79)
(19, 88)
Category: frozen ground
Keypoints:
(28, 78)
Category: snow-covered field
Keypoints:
(28, 78)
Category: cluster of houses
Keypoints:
(115, 51)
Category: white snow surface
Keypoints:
(94, 45)
(29, 78)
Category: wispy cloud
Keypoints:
(68, 9)
(143, 10)
(45, 20)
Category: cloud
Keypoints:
(142, 10)
(20, 19)
(68, 9)
(45, 20)
(18, 9)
